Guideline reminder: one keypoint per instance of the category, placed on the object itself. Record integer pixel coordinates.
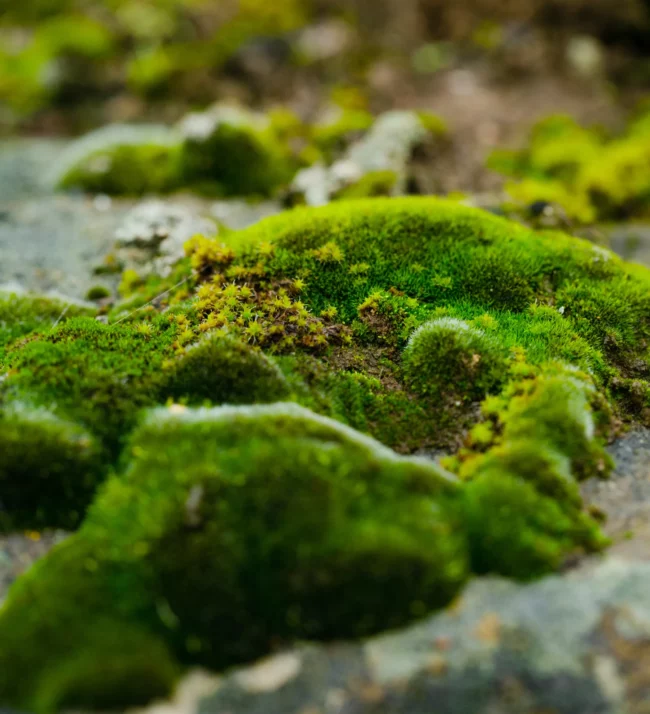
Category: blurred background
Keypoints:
(533, 108)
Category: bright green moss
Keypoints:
(23, 313)
(451, 358)
(375, 183)
(49, 470)
(230, 531)
(222, 371)
(98, 375)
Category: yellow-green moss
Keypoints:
(590, 175)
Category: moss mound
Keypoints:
(227, 531)
(49, 470)
(451, 357)
(236, 156)
(21, 314)
(278, 515)
(221, 370)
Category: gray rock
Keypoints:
(387, 146)
(154, 234)
(575, 644)
(19, 550)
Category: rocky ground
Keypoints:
(576, 642)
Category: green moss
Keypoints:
(278, 514)
(591, 176)
(451, 358)
(238, 158)
(332, 138)
(222, 371)
(517, 532)
(374, 183)
(98, 292)
(98, 375)
(235, 160)
(22, 314)
(49, 470)
(128, 169)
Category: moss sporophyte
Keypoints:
(236, 454)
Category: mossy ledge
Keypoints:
(422, 323)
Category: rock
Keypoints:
(388, 146)
(574, 644)
(154, 233)
(17, 553)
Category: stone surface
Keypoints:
(574, 644)
(19, 551)
(387, 146)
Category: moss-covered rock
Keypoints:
(228, 532)
(224, 151)
(49, 470)
(121, 159)
(228, 152)
(517, 532)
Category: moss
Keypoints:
(333, 137)
(222, 371)
(229, 531)
(590, 175)
(95, 656)
(375, 183)
(24, 313)
(517, 532)
(98, 375)
(49, 470)
(235, 160)
(448, 357)
(130, 170)
(278, 515)
(97, 293)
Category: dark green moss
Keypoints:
(221, 370)
(235, 160)
(98, 292)
(229, 531)
(49, 470)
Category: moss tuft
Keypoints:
(449, 357)
(221, 370)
